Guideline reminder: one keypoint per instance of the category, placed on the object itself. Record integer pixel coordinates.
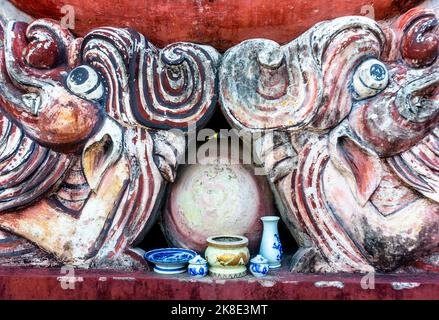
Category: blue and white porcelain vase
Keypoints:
(198, 267)
(271, 247)
(259, 266)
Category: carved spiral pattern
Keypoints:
(411, 98)
(27, 170)
(155, 88)
(316, 217)
(420, 41)
(48, 44)
(303, 83)
(37, 54)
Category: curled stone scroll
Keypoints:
(85, 141)
(349, 111)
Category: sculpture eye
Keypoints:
(370, 78)
(86, 83)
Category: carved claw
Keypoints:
(32, 102)
(274, 150)
(169, 147)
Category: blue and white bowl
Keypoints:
(259, 266)
(170, 260)
(198, 267)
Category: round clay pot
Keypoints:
(220, 23)
(227, 256)
(216, 198)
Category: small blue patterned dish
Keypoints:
(198, 267)
(170, 260)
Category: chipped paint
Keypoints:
(405, 285)
(326, 284)
(267, 283)
(124, 278)
(70, 279)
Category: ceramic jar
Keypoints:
(271, 247)
(227, 256)
(198, 267)
(259, 266)
(219, 189)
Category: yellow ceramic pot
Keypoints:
(227, 256)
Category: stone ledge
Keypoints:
(29, 284)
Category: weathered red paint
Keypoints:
(220, 23)
(419, 53)
(32, 284)
(313, 199)
(69, 120)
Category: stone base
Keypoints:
(279, 285)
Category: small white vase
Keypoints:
(271, 247)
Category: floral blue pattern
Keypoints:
(259, 269)
(277, 245)
(198, 270)
(170, 255)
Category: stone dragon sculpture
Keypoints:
(86, 145)
(349, 113)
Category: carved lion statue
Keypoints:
(86, 146)
(349, 111)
